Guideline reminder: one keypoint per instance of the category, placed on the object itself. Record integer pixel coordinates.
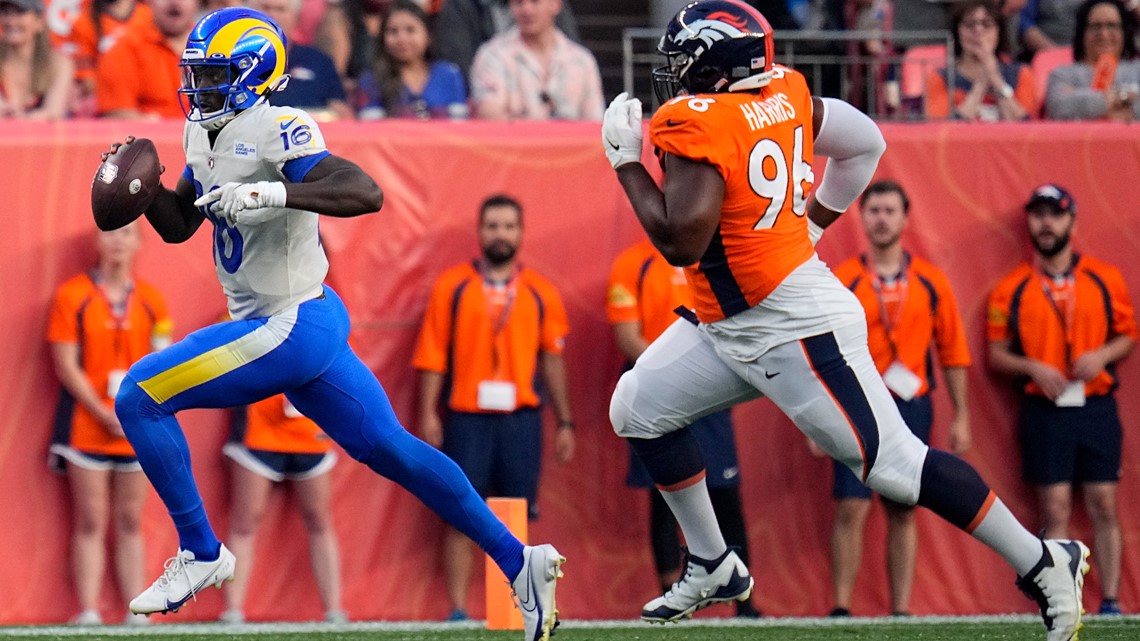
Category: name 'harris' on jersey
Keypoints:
(761, 143)
(262, 143)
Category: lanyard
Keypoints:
(1066, 319)
(890, 322)
(118, 313)
(499, 321)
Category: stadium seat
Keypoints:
(1045, 61)
(917, 63)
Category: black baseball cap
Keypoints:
(1053, 195)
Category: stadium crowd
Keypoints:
(371, 59)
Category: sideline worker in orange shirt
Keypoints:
(644, 292)
(101, 322)
(911, 312)
(271, 442)
(492, 324)
(1061, 323)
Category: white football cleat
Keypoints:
(182, 578)
(534, 590)
(702, 584)
(1055, 583)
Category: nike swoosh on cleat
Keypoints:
(174, 605)
(531, 588)
(771, 376)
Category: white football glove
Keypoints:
(621, 130)
(246, 203)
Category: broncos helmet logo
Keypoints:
(737, 21)
(708, 31)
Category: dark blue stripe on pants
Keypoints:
(833, 370)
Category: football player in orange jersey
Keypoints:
(736, 137)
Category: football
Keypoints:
(126, 183)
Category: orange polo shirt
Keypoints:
(644, 288)
(140, 73)
(275, 426)
(459, 336)
(81, 314)
(1057, 320)
(909, 317)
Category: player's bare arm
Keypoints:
(335, 187)
(682, 219)
(173, 214)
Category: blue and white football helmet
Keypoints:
(234, 58)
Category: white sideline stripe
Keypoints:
(230, 629)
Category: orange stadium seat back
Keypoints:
(917, 63)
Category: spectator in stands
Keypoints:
(101, 322)
(314, 84)
(911, 314)
(95, 31)
(462, 26)
(1104, 80)
(35, 80)
(644, 290)
(491, 327)
(349, 33)
(1048, 24)
(988, 87)
(270, 443)
(1060, 324)
(533, 71)
(139, 76)
(405, 81)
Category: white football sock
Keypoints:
(694, 511)
(1001, 531)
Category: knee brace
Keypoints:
(670, 459)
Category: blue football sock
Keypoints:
(164, 455)
(437, 481)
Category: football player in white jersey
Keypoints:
(258, 173)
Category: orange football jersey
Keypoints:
(761, 143)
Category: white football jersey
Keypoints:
(272, 266)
